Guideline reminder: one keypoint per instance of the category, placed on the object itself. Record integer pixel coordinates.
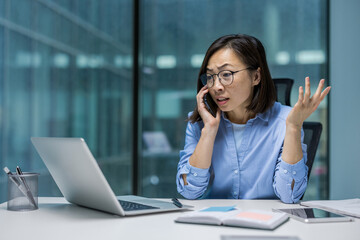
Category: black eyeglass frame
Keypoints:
(204, 76)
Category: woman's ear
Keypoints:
(257, 77)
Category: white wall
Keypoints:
(344, 99)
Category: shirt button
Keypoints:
(285, 171)
(294, 172)
(195, 174)
(236, 171)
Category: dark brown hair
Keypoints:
(252, 53)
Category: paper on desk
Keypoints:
(350, 207)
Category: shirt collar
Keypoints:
(263, 116)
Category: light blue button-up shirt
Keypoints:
(255, 170)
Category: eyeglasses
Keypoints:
(226, 77)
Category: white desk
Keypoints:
(57, 219)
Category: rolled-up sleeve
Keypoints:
(196, 178)
(285, 173)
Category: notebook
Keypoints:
(231, 216)
(81, 181)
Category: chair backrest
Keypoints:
(283, 88)
(312, 133)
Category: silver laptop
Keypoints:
(81, 181)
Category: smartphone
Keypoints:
(210, 105)
(312, 215)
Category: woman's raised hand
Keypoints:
(306, 104)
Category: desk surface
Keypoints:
(57, 219)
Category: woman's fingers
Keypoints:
(319, 88)
(320, 94)
(307, 89)
(307, 104)
(301, 94)
(324, 93)
(200, 102)
(201, 94)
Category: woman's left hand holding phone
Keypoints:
(202, 155)
(209, 120)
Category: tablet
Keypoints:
(310, 215)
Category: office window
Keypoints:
(175, 36)
(66, 71)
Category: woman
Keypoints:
(252, 148)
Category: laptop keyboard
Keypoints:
(132, 206)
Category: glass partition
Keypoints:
(175, 36)
(65, 72)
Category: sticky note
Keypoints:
(255, 216)
(219, 209)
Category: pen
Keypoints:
(15, 180)
(176, 202)
(27, 188)
(17, 183)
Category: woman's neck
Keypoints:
(239, 117)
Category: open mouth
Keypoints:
(222, 101)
